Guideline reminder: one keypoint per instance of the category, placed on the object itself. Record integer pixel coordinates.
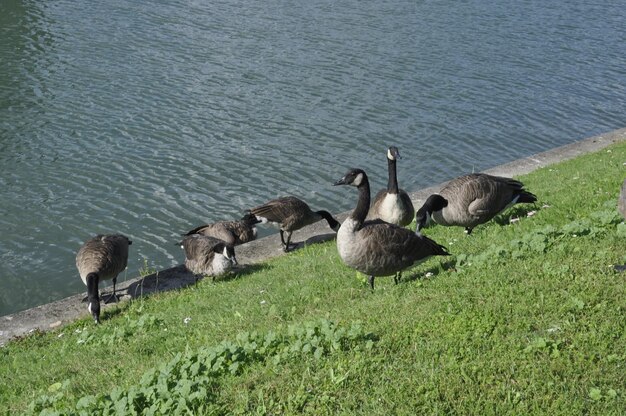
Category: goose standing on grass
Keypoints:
(290, 214)
(378, 248)
(102, 257)
(392, 205)
(207, 256)
(470, 200)
(231, 232)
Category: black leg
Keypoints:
(468, 230)
(112, 295)
(282, 240)
(397, 277)
(371, 280)
(288, 240)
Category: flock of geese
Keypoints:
(373, 239)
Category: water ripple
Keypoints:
(150, 119)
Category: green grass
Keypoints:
(526, 318)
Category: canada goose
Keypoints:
(231, 232)
(207, 255)
(378, 248)
(392, 205)
(290, 214)
(102, 257)
(471, 200)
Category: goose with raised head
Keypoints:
(290, 214)
(470, 200)
(378, 248)
(102, 257)
(207, 256)
(231, 232)
(393, 204)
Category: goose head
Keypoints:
(354, 177)
(393, 153)
(250, 219)
(423, 215)
(227, 251)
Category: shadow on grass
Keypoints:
(179, 277)
(516, 211)
(316, 239)
(446, 266)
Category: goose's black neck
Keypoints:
(332, 222)
(392, 183)
(363, 204)
(92, 287)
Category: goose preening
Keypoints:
(232, 232)
(207, 255)
(290, 214)
(377, 248)
(392, 205)
(470, 200)
(102, 257)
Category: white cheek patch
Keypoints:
(225, 253)
(358, 180)
(89, 308)
(389, 155)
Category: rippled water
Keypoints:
(150, 119)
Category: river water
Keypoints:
(149, 118)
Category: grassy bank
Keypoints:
(524, 318)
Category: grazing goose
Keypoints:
(233, 233)
(392, 205)
(378, 248)
(290, 214)
(471, 200)
(207, 255)
(102, 257)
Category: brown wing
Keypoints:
(389, 248)
(221, 230)
(198, 246)
(277, 210)
(481, 195)
(106, 255)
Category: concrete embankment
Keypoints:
(55, 314)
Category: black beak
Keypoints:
(341, 181)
